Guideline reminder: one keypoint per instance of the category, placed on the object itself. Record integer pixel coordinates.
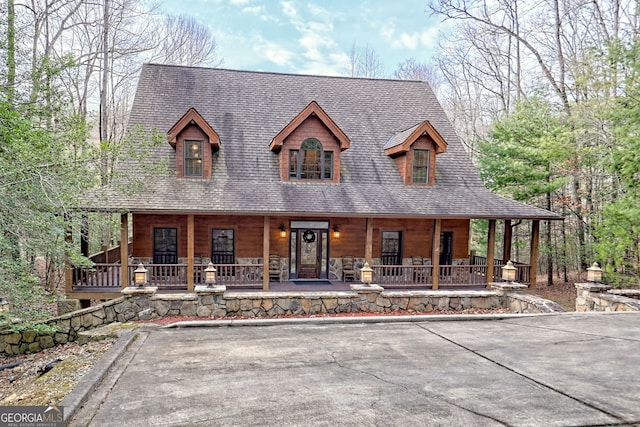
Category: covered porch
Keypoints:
(113, 270)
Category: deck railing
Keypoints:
(174, 276)
(422, 275)
(102, 276)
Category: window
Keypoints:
(223, 246)
(420, 167)
(165, 245)
(192, 158)
(391, 252)
(311, 162)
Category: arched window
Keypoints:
(311, 161)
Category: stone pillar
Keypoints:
(368, 297)
(211, 301)
(584, 301)
(506, 287)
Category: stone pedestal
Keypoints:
(506, 287)
(367, 297)
(137, 291)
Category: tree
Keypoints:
(411, 69)
(618, 229)
(521, 155)
(364, 62)
(184, 41)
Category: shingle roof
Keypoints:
(247, 109)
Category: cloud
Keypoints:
(273, 52)
(288, 9)
(239, 2)
(412, 41)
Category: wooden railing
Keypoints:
(112, 255)
(422, 275)
(102, 276)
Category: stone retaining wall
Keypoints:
(145, 304)
(598, 297)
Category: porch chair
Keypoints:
(348, 269)
(275, 273)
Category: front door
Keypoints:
(309, 249)
(309, 242)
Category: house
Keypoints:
(316, 174)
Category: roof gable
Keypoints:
(193, 117)
(313, 109)
(401, 142)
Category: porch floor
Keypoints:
(288, 286)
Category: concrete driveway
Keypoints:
(552, 370)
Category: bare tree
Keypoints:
(364, 62)
(184, 41)
(506, 50)
(411, 69)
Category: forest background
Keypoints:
(544, 94)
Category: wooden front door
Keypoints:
(309, 253)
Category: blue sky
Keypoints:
(313, 36)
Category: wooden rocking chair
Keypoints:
(348, 269)
(275, 273)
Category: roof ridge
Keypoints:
(281, 73)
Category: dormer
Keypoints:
(194, 141)
(415, 150)
(309, 147)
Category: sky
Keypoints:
(313, 36)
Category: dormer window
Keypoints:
(420, 173)
(193, 157)
(195, 141)
(311, 161)
(415, 150)
(309, 147)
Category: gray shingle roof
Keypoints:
(247, 109)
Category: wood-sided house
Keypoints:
(309, 172)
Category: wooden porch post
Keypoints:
(190, 250)
(68, 271)
(491, 249)
(84, 237)
(368, 246)
(266, 241)
(533, 253)
(506, 246)
(124, 250)
(435, 253)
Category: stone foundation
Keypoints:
(599, 297)
(213, 302)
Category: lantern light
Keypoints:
(594, 273)
(509, 272)
(210, 274)
(140, 276)
(366, 274)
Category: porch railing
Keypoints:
(106, 277)
(422, 275)
(174, 276)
